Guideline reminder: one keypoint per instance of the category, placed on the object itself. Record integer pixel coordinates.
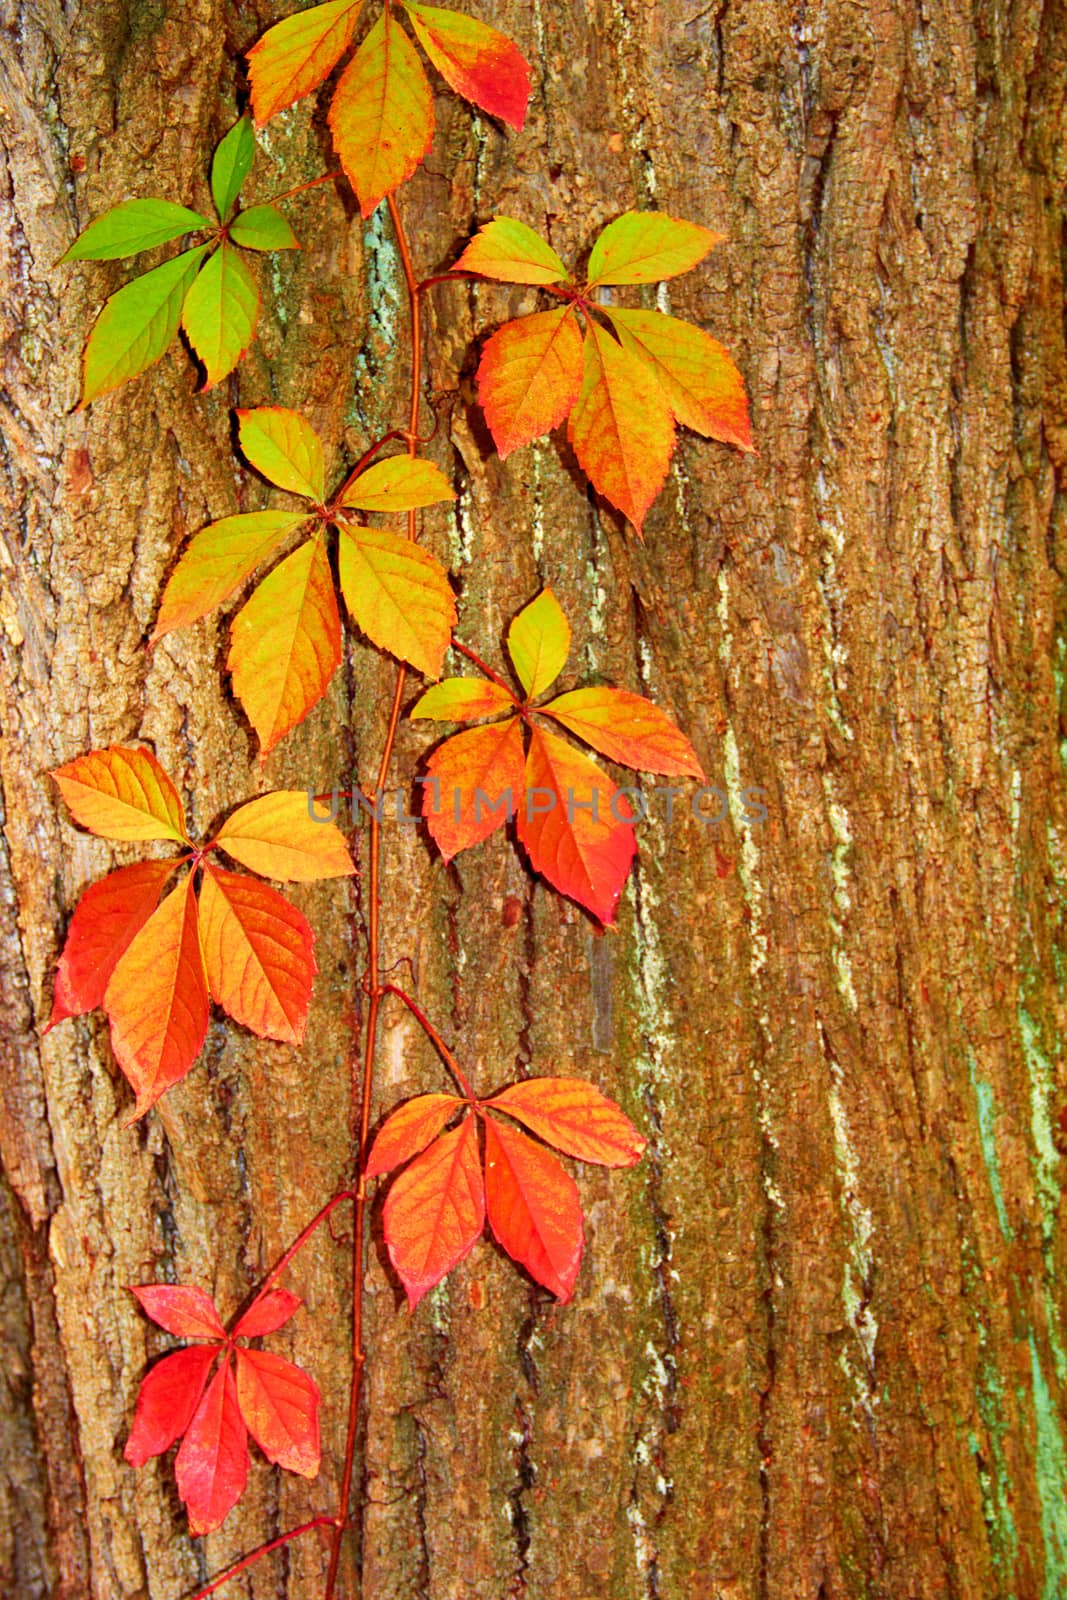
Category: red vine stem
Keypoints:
(471, 655)
(373, 984)
(434, 1037)
(301, 1240)
(262, 1550)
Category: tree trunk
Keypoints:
(817, 1347)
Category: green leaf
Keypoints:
(137, 324)
(539, 642)
(403, 483)
(218, 561)
(232, 164)
(263, 228)
(513, 253)
(132, 226)
(220, 313)
(646, 247)
(285, 447)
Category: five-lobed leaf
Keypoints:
(513, 253)
(132, 226)
(533, 1208)
(627, 728)
(397, 594)
(530, 376)
(646, 247)
(219, 559)
(137, 324)
(575, 1117)
(703, 386)
(220, 313)
(258, 954)
(539, 642)
(622, 428)
(298, 53)
(122, 793)
(435, 1210)
(263, 228)
(276, 837)
(402, 483)
(475, 60)
(231, 165)
(108, 917)
(284, 447)
(381, 117)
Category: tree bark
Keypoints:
(817, 1347)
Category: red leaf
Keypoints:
(258, 953)
(157, 999)
(627, 728)
(576, 1118)
(533, 1206)
(267, 1313)
(530, 376)
(476, 772)
(584, 853)
(409, 1129)
(181, 1309)
(212, 1464)
(479, 63)
(167, 1400)
(109, 915)
(280, 1406)
(435, 1210)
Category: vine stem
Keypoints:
(262, 1550)
(471, 655)
(435, 1038)
(373, 984)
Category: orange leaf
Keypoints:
(576, 1118)
(287, 643)
(258, 952)
(703, 387)
(625, 727)
(409, 1129)
(568, 828)
(167, 1401)
(218, 561)
(479, 63)
(530, 376)
(477, 778)
(382, 113)
(435, 1210)
(212, 1464)
(122, 793)
(398, 595)
(294, 56)
(157, 999)
(463, 700)
(622, 428)
(513, 253)
(109, 914)
(539, 642)
(276, 837)
(285, 447)
(646, 247)
(533, 1207)
(181, 1309)
(280, 1406)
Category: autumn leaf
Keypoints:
(626, 728)
(298, 53)
(263, 228)
(219, 560)
(397, 594)
(435, 1210)
(622, 428)
(479, 63)
(575, 1117)
(285, 448)
(703, 386)
(108, 916)
(157, 999)
(568, 826)
(512, 252)
(646, 247)
(231, 165)
(402, 483)
(137, 324)
(276, 837)
(267, 1313)
(463, 700)
(258, 954)
(220, 313)
(539, 642)
(476, 781)
(181, 1309)
(167, 1401)
(280, 1406)
(132, 226)
(122, 793)
(409, 1129)
(286, 644)
(381, 117)
(212, 1464)
(530, 376)
(533, 1208)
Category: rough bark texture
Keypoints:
(817, 1347)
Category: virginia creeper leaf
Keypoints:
(703, 387)
(212, 1464)
(167, 1401)
(122, 793)
(575, 1117)
(463, 700)
(568, 828)
(286, 644)
(285, 447)
(647, 246)
(403, 483)
(512, 252)
(220, 313)
(477, 780)
(276, 837)
(231, 164)
(263, 228)
(294, 56)
(530, 376)
(258, 953)
(409, 1129)
(182, 1309)
(106, 919)
(280, 1407)
(382, 113)
(533, 1207)
(137, 324)
(131, 226)
(479, 63)
(267, 1313)
(398, 595)
(539, 642)
(435, 1210)
(622, 428)
(219, 559)
(627, 728)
